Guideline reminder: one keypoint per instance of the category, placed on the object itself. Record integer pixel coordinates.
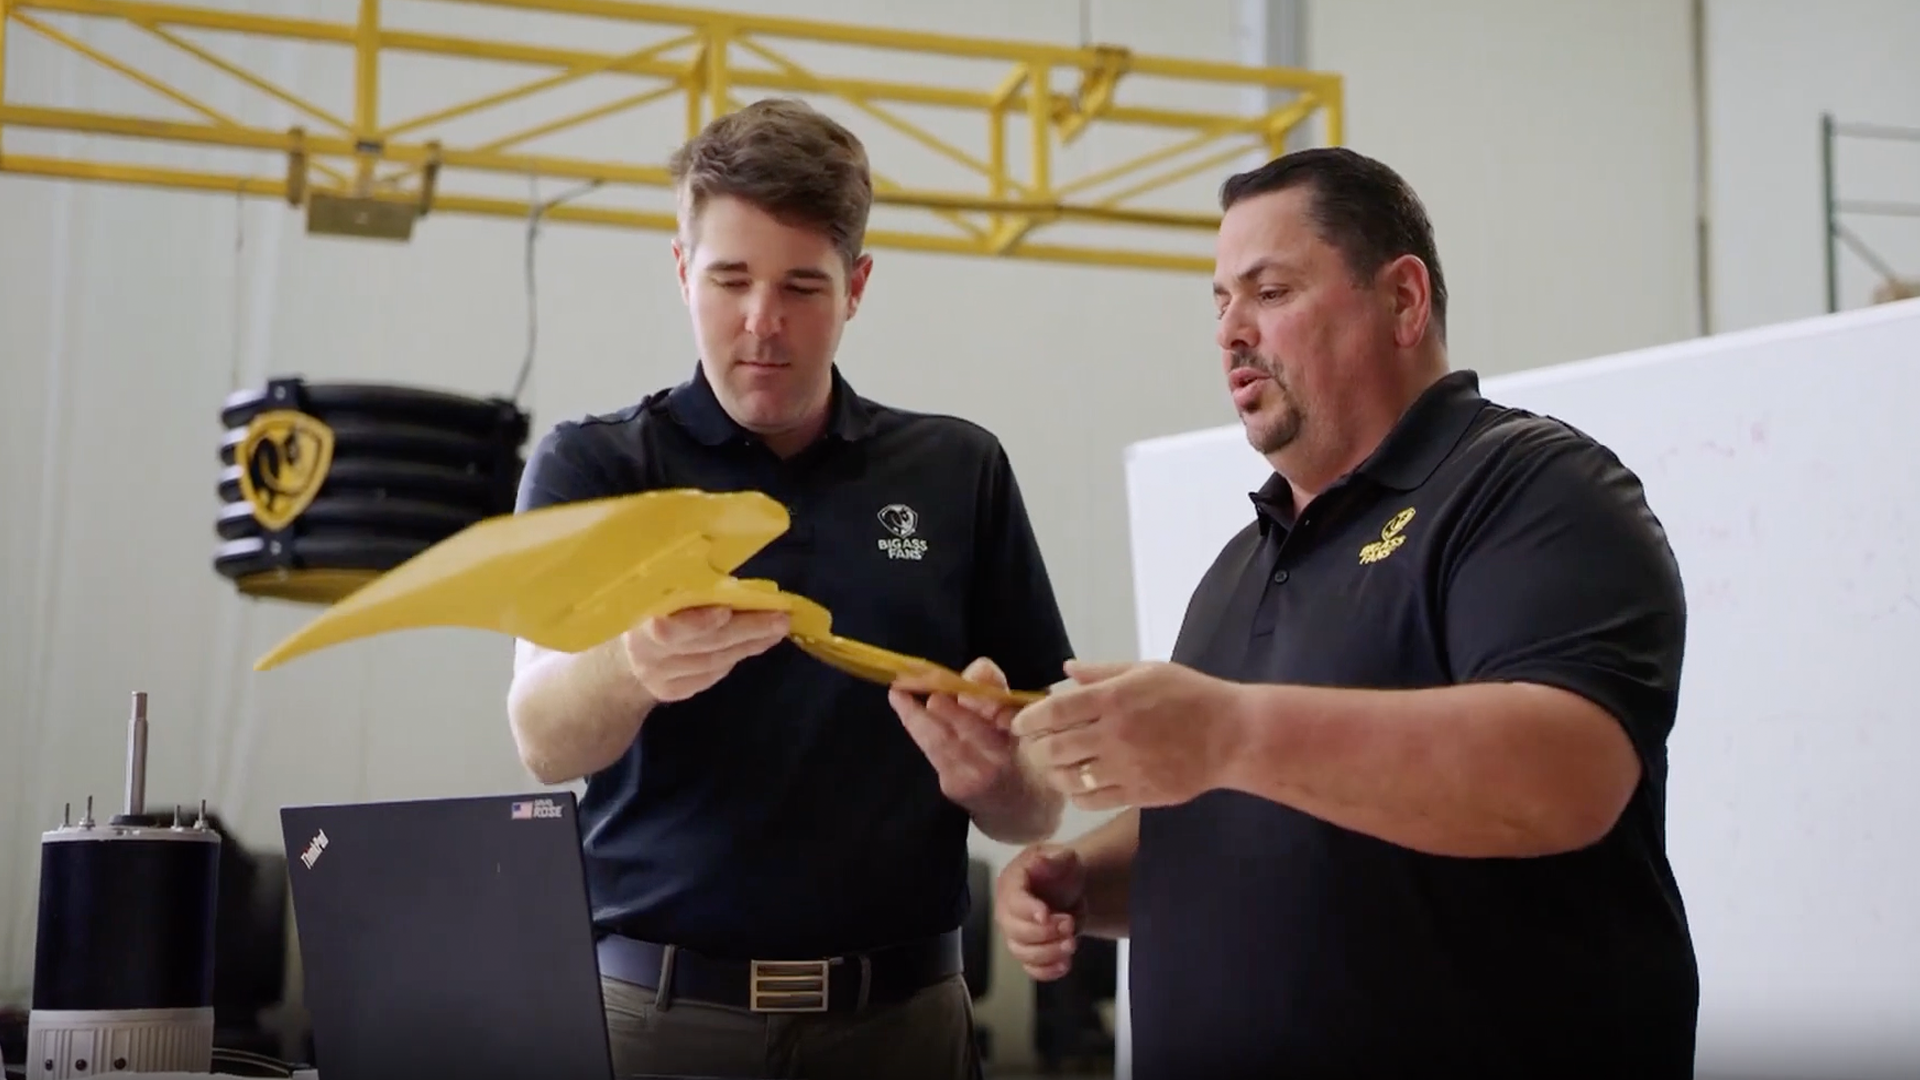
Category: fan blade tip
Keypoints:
(299, 644)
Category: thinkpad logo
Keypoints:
(314, 847)
(901, 520)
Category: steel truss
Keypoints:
(369, 174)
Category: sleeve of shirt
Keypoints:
(559, 471)
(1014, 616)
(1565, 578)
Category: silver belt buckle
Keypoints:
(788, 986)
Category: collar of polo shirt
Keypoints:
(1426, 433)
(695, 407)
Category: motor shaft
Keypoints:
(137, 756)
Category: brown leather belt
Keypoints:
(849, 983)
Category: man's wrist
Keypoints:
(1005, 797)
(1018, 805)
(616, 665)
(1107, 863)
(1252, 720)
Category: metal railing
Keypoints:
(1834, 207)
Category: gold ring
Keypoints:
(1087, 782)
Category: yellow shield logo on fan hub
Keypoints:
(283, 463)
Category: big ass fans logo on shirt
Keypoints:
(900, 520)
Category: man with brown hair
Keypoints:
(745, 803)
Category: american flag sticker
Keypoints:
(523, 811)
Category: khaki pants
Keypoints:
(927, 1037)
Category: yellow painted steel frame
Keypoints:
(702, 63)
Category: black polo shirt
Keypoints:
(1478, 543)
(785, 812)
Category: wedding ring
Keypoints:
(1087, 782)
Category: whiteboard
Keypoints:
(1186, 497)
(1785, 464)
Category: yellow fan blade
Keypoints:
(567, 577)
(573, 576)
(886, 667)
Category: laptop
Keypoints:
(447, 937)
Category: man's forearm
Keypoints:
(1477, 771)
(574, 714)
(1107, 853)
(1022, 810)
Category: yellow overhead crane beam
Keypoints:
(334, 168)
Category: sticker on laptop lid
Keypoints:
(530, 809)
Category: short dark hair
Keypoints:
(792, 161)
(1362, 208)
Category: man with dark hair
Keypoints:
(1396, 805)
(1360, 207)
(777, 851)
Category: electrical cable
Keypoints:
(538, 210)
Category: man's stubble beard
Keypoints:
(1269, 435)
